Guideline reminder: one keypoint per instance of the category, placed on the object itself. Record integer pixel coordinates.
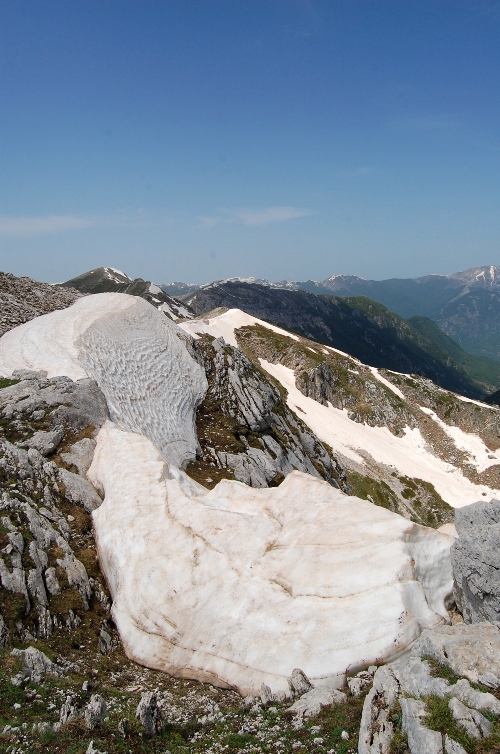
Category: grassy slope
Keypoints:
(479, 368)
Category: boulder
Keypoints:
(45, 442)
(299, 683)
(473, 723)
(95, 712)
(471, 651)
(475, 558)
(35, 664)
(149, 713)
(312, 702)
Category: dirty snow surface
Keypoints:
(236, 586)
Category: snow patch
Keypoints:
(408, 455)
(479, 453)
(225, 325)
(387, 383)
(237, 586)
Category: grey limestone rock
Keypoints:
(475, 558)
(467, 649)
(4, 632)
(266, 695)
(266, 440)
(421, 740)
(474, 724)
(452, 747)
(312, 702)
(35, 664)
(68, 711)
(377, 729)
(95, 712)
(471, 651)
(359, 682)
(46, 442)
(79, 491)
(149, 714)
(105, 642)
(80, 455)
(299, 683)
(91, 749)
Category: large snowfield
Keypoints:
(236, 585)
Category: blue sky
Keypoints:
(199, 139)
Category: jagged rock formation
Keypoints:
(48, 568)
(22, 299)
(476, 561)
(244, 427)
(331, 378)
(406, 444)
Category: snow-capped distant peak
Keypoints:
(344, 277)
(117, 275)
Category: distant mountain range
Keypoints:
(465, 305)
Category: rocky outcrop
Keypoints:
(46, 539)
(35, 665)
(476, 561)
(245, 427)
(411, 683)
(22, 298)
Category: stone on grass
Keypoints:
(312, 702)
(68, 711)
(149, 713)
(266, 695)
(474, 724)
(299, 683)
(95, 712)
(35, 664)
(91, 749)
(45, 442)
(452, 747)
(421, 740)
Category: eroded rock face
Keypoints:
(245, 427)
(476, 561)
(44, 531)
(242, 573)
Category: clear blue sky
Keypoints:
(199, 139)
